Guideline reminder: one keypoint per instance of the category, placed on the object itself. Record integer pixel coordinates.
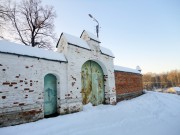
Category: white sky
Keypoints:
(141, 32)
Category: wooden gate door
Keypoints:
(92, 83)
(50, 95)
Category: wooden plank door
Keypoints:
(92, 83)
(86, 82)
(97, 83)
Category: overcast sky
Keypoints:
(139, 32)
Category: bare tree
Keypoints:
(3, 16)
(163, 80)
(32, 24)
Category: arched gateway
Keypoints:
(92, 83)
(60, 75)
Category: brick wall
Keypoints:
(128, 85)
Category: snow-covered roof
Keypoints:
(18, 49)
(125, 69)
(92, 36)
(106, 51)
(75, 41)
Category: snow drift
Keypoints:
(150, 114)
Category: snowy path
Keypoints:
(150, 114)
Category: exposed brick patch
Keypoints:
(13, 83)
(6, 83)
(20, 80)
(31, 90)
(3, 97)
(32, 112)
(21, 104)
(26, 88)
(68, 97)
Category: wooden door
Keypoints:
(92, 83)
(50, 95)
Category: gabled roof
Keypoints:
(76, 41)
(91, 36)
(106, 51)
(18, 49)
(125, 69)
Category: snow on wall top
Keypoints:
(14, 48)
(76, 41)
(138, 68)
(106, 51)
(92, 36)
(125, 69)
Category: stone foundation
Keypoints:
(127, 96)
(19, 117)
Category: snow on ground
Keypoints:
(172, 90)
(176, 88)
(153, 113)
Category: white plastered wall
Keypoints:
(76, 57)
(22, 84)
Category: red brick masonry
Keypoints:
(128, 85)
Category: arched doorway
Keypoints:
(92, 81)
(50, 95)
